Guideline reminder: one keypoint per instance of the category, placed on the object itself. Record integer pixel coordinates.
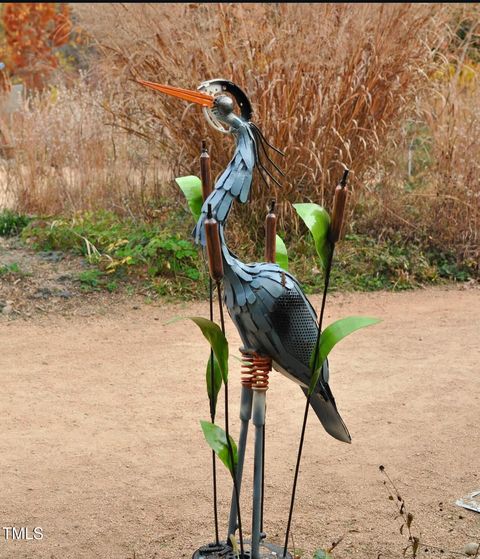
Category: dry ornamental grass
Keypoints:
(332, 85)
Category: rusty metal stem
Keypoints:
(307, 404)
(227, 431)
(206, 177)
(212, 417)
(328, 269)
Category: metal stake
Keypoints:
(245, 416)
(227, 431)
(258, 416)
(337, 220)
(206, 177)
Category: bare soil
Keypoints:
(101, 445)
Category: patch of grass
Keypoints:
(91, 279)
(362, 263)
(160, 259)
(12, 269)
(12, 223)
(157, 255)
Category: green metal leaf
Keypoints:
(217, 439)
(217, 381)
(191, 186)
(281, 255)
(332, 335)
(217, 341)
(317, 220)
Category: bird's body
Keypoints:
(267, 305)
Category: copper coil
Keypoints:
(255, 370)
(247, 368)
(262, 366)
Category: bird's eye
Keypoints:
(224, 104)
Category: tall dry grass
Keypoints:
(438, 205)
(328, 82)
(360, 85)
(68, 157)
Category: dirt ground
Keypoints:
(101, 446)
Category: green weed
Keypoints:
(12, 223)
(161, 260)
(365, 264)
(91, 279)
(11, 269)
(164, 260)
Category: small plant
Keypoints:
(403, 514)
(12, 223)
(11, 269)
(90, 279)
(414, 543)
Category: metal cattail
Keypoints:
(214, 247)
(205, 171)
(270, 234)
(338, 212)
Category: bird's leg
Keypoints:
(262, 367)
(245, 416)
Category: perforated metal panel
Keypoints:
(295, 326)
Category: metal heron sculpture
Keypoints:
(272, 315)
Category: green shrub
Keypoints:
(12, 223)
(121, 248)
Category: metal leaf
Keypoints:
(217, 381)
(281, 254)
(317, 220)
(331, 336)
(217, 341)
(191, 186)
(217, 440)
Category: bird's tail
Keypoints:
(327, 412)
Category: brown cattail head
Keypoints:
(339, 202)
(205, 171)
(214, 247)
(270, 234)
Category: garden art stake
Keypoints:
(276, 322)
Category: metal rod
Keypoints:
(270, 253)
(270, 233)
(263, 478)
(258, 416)
(245, 415)
(328, 270)
(227, 430)
(307, 404)
(212, 417)
(206, 177)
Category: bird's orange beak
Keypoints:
(202, 99)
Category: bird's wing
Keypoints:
(281, 323)
(331, 420)
(270, 309)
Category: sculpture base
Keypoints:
(223, 551)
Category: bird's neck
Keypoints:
(233, 184)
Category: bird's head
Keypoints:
(218, 98)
